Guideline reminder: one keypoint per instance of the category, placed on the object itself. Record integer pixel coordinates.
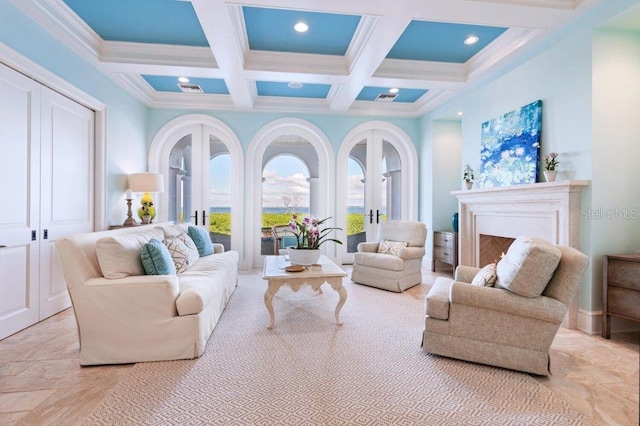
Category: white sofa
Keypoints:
(144, 317)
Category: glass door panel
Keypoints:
(219, 200)
(374, 192)
(180, 185)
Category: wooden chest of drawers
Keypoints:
(445, 248)
(620, 289)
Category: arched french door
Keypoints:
(201, 161)
(283, 132)
(378, 166)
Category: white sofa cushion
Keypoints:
(119, 255)
(528, 266)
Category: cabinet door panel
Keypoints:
(67, 188)
(19, 162)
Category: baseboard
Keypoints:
(591, 323)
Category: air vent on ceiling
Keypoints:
(190, 88)
(386, 97)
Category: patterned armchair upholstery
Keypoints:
(502, 326)
(394, 272)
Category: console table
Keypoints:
(620, 289)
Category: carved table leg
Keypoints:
(336, 284)
(268, 300)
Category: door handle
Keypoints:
(378, 216)
(196, 217)
(204, 222)
(371, 216)
(2, 246)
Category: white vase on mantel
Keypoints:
(469, 184)
(550, 175)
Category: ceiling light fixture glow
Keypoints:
(460, 113)
(183, 79)
(471, 40)
(295, 85)
(301, 27)
(394, 90)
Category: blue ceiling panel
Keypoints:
(270, 88)
(369, 93)
(272, 30)
(442, 42)
(170, 84)
(142, 21)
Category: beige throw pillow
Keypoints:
(391, 247)
(119, 255)
(179, 253)
(486, 277)
(528, 266)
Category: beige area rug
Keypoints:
(310, 371)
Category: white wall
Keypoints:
(615, 211)
(440, 173)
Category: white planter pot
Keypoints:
(550, 175)
(469, 184)
(303, 257)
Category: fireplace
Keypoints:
(492, 248)
(548, 210)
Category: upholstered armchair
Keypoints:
(510, 323)
(393, 262)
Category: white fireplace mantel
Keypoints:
(549, 210)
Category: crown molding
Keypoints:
(502, 47)
(545, 4)
(137, 86)
(59, 20)
(429, 71)
(360, 39)
(157, 54)
(192, 101)
(304, 63)
(433, 99)
(239, 31)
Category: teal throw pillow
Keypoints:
(156, 259)
(201, 238)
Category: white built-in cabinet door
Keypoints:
(66, 188)
(19, 192)
(46, 188)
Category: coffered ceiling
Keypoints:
(247, 56)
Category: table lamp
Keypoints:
(146, 183)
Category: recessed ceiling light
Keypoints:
(471, 40)
(394, 90)
(301, 27)
(295, 85)
(460, 113)
(183, 79)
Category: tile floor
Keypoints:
(41, 382)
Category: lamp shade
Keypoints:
(146, 182)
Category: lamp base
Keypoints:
(130, 221)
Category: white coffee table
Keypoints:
(275, 274)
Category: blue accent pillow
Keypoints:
(202, 240)
(156, 259)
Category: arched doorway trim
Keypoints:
(255, 153)
(201, 125)
(408, 157)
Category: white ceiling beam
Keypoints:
(381, 39)
(216, 22)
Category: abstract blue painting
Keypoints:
(510, 147)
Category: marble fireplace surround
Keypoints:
(549, 210)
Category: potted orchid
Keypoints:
(468, 176)
(550, 163)
(310, 235)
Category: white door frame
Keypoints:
(204, 125)
(255, 154)
(409, 160)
